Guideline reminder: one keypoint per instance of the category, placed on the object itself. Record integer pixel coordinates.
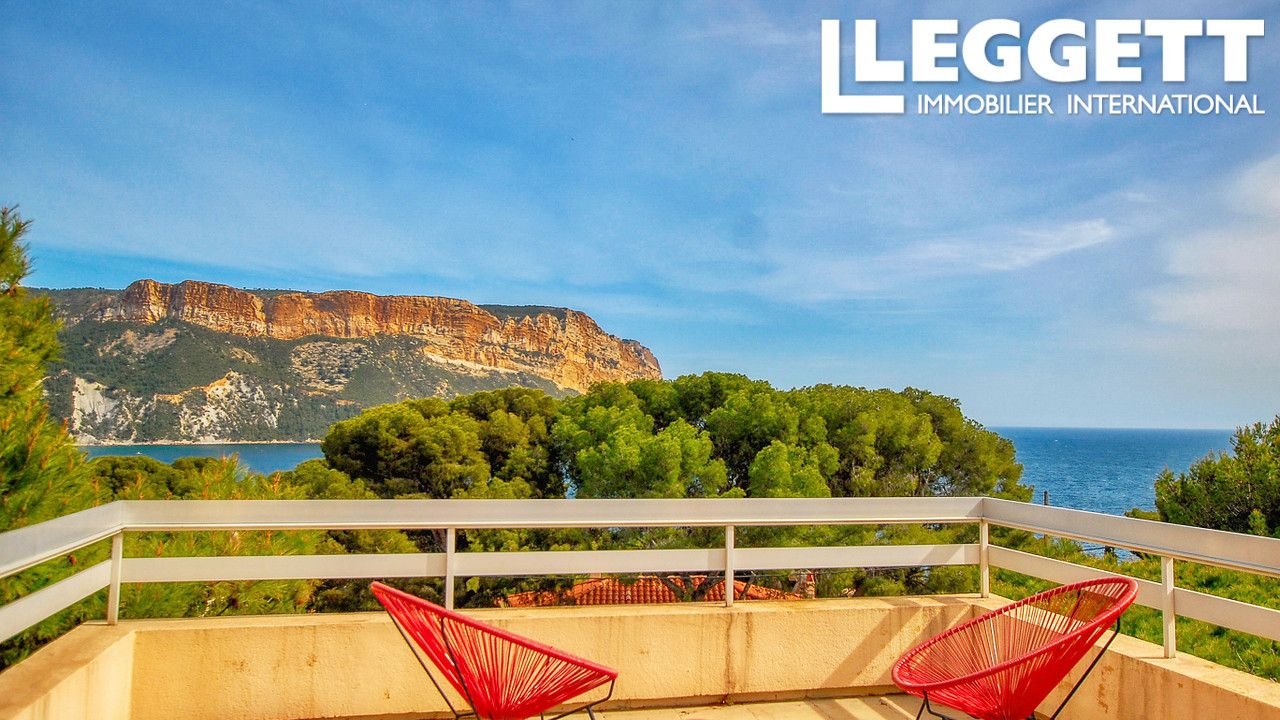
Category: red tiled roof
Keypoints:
(644, 590)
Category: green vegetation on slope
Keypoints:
(73, 303)
(520, 312)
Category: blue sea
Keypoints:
(1104, 470)
(259, 457)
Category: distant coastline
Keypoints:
(195, 443)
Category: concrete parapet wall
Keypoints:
(85, 674)
(356, 666)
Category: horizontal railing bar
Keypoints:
(31, 609)
(26, 547)
(859, 556)
(1235, 551)
(1150, 594)
(29, 546)
(1251, 619)
(576, 513)
(578, 562)
(534, 563)
(281, 567)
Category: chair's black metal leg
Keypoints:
(927, 706)
(1088, 670)
(588, 707)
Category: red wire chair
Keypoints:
(502, 676)
(1001, 665)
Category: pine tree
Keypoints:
(42, 473)
(41, 470)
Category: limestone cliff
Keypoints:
(569, 349)
(197, 361)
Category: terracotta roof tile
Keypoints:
(645, 590)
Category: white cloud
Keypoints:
(1224, 287)
(1020, 248)
(835, 274)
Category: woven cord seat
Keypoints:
(1000, 666)
(501, 675)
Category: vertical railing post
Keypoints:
(984, 558)
(450, 545)
(1170, 614)
(113, 589)
(729, 584)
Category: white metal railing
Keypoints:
(30, 546)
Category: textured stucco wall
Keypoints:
(86, 674)
(356, 664)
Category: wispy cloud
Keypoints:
(821, 275)
(1006, 250)
(1224, 279)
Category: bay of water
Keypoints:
(1104, 470)
(259, 457)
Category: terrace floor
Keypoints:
(868, 707)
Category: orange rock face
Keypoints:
(573, 351)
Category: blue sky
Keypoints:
(665, 167)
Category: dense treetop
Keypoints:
(708, 435)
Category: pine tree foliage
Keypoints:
(41, 471)
(1237, 491)
(42, 474)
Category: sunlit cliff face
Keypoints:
(568, 348)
